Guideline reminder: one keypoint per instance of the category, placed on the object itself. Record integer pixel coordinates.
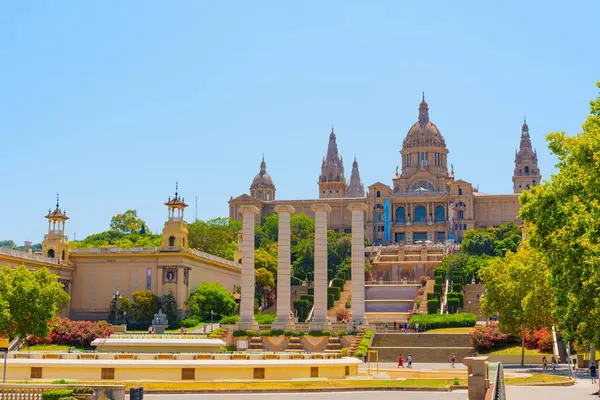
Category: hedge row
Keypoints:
(435, 321)
(363, 346)
(433, 306)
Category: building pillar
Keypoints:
(180, 299)
(320, 321)
(159, 281)
(284, 319)
(358, 262)
(247, 297)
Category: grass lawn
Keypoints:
(464, 330)
(516, 351)
(535, 378)
(53, 347)
(190, 330)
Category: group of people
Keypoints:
(406, 327)
(593, 369)
(408, 361)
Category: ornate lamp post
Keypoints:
(116, 297)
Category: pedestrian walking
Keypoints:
(409, 359)
(544, 364)
(400, 362)
(553, 362)
(395, 325)
(574, 371)
(453, 360)
(593, 371)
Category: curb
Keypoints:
(308, 390)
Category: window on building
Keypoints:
(108, 373)
(461, 214)
(419, 237)
(148, 278)
(36, 372)
(268, 196)
(400, 215)
(465, 227)
(421, 186)
(399, 237)
(420, 214)
(378, 216)
(172, 241)
(314, 372)
(51, 253)
(496, 227)
(460, 191)
(188, 374)
(63, 255)
(440, 214)
(526, 170)
(440, 237)
(259, 373)
(347, 230)
(483, 226)
(378, 193)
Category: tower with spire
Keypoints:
(262, 185)
(175, 233)
(356, 187)
(332, 183)
(55, 243)
(527, 173)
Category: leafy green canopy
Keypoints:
(211, 296)
(28, 301)
(562, 217)
(216, 236)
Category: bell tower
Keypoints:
(55, 243)
(332, 183)
(527, 173)
(175, 233)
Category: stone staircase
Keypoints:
(334, 345)
(356, 342)
(256, 343)
(423, 347)
(295, 344)
(428, 289)
(340, 304)
(471, 292)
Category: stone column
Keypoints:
(180, 298)
(284, 320)
(358, 262)
(320, 321)
(247, 297)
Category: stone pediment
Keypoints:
(379, 184)
(245, 199)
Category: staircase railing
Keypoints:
(499, 392)
(443, 308)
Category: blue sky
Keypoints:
(109, 103)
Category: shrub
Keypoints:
(56, 394)
(230, 320)
(240, 333)
(215, 333)
(457, 287)
(74, 333)
(459, 296)
(433, 296)
(344, 352)
(441, 271)
(315, 333)
(487, 337)
(349, 303)
(453, 305)
(423, 280)
(252, 332)
(339, 283)
(68, 398)
(311, 290)
(439, 280)
(363, 346)
(265, 319)
(433, 306)
(540, 339)
(439, 289)
(299, 334)
(83, 390)
(330, 300)
(295, 281)
(434, 321)
(456, 381)
(302, 308)
(276, 332)
(308, 297)
(335, 291)
(61, 382)
(264, 333)
(342, 333)
(289, 333)
(189, 322)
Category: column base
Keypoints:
(320, 324)
(283, 324)
(248, 324)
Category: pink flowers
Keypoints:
(487, 337)
(77, 333)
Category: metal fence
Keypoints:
(499, 393)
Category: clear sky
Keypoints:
(110, 102)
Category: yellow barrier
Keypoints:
(376, 353)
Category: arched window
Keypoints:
(260, 194)
(51, 253)
(460, 191)
(400, 215)
(172, 241)
(526, 170)
(268, 196)
(440, 214)
(520, 172)
(420, 214)
(63, 254)
(378, 193)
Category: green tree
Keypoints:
(263, 259)
(123, 307)
(561, 217)
(28, 301)
(265, 284)
(127, 222)
(216, 236)
(168, 305)
(478, 242)
(212, 296)
(145, 305)
(517, 288)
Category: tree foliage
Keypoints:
(211, 296)
(127, 222)
(518, 290)
(562, 218)
(145, 305)
(114, 238)
(28, 301)
(216, 236)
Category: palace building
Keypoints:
(91, 276)
(425, 202)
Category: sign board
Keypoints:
(242, 345)
(387, 217)
(4, 342)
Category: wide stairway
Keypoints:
(423, 347)
(389, 302)
(340, 305)
(472, 303)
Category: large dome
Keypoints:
(262, 179)
(424, 133)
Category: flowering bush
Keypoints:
(540, 339)
(487, 337)
(76, 333)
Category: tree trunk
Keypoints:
(522, 345)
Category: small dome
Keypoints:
(262, 179)
(424, 133)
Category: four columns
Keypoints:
(284, 319)
(247, 298)
(358, 262)
(320, 321)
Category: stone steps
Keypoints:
(341, 303)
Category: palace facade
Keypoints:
(425, 201)
(91, 276)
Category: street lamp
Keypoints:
(116, 297)
(211, 318)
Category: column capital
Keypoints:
(249, 209)
(357, 207)
(321, 207)
(285, 208)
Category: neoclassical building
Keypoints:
(92, 275)
(425, 201)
